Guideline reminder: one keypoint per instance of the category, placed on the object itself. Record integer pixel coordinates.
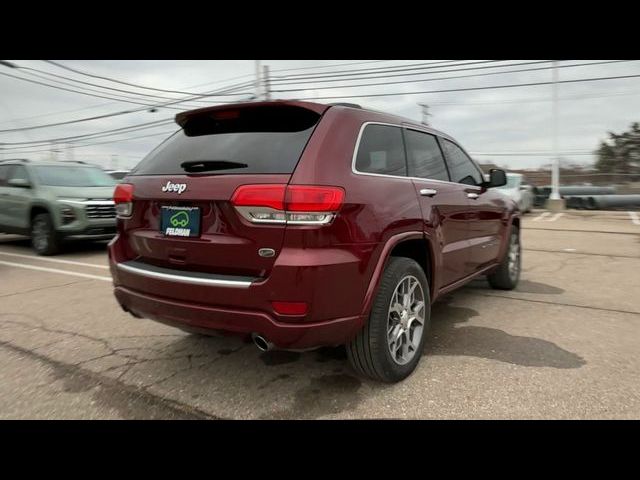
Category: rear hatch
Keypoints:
(185, 185)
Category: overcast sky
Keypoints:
(513, 121)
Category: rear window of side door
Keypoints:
(444, 205)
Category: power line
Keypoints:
(549, 154)
(72, 91)
(451, 77)
(110, 103)
(469, 88)
(484, 67)
(110, 79)
(396, 68)
(101, 143)
(328, 66)
(93, 135)
(115, 96)
(536, 100)
(110, 114)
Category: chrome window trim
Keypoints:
(183, 278)
(358, 172)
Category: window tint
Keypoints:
(18, 172)
(424, 156)
(4, 171)
(254, 152)
(461, 167)
(381, 151)
(263, 139)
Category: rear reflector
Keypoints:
(290, 308)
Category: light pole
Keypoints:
(258, 80)
(555, 202)
(425, 113)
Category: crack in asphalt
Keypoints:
(42, 288)
(583, 231)
(127, 354)
(168, 408)
(580, 253)
(604, 309)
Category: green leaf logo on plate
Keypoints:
(180, 219)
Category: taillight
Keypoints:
(288, 204)
(123, 199)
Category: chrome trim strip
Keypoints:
(246, 213)
(183, 278)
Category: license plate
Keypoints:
(180, 221)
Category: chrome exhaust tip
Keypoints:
(262, 343)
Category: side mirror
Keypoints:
(497, 178)
(19, 183)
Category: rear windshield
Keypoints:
(253, 144)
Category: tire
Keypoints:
(504, 277)
(44, 239)
(370, 352)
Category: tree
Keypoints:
(620, 153)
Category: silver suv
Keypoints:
(54, 201)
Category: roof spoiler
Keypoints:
(275, 116)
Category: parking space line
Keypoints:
(55, 270)
(555, 217)
(634, 217)
(541, 216)
(55, 260)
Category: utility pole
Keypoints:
(69, 153)
(267, 88)
(258, 81)
(425, 113)
(555, 202)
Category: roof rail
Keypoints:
(74, 161)
(15, 160)
(342, 104)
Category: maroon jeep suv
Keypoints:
(303, 225)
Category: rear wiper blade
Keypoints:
(210, 165)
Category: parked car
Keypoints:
(303, 225)
(56, 201)
(520, 191)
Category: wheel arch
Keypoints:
(414, 245)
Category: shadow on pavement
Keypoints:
(448, 338)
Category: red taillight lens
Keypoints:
(307, 198)
(288, 204)
(266, 195)
(123, 198)
(123, 193)
(290, 308)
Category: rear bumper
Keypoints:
(192, 316)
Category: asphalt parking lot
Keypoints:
(565, 344)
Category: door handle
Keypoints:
(472, 195)
(428, 192)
